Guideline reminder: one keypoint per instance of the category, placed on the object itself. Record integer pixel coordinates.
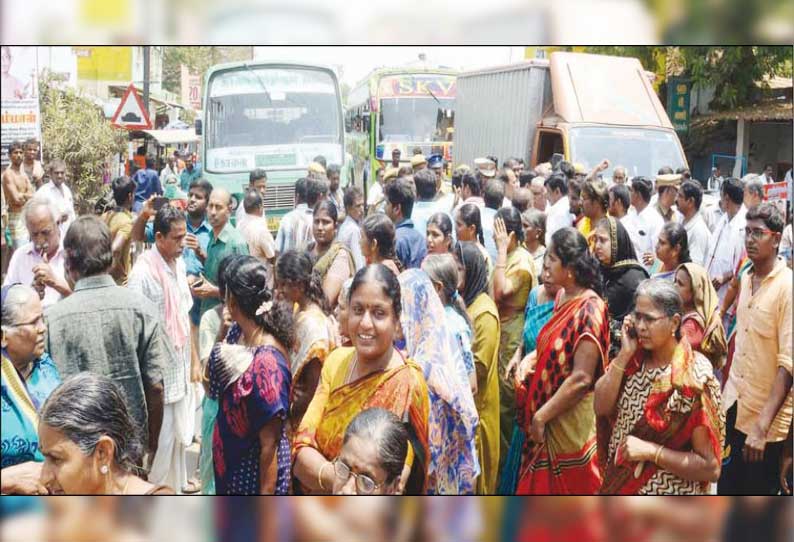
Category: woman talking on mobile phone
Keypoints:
(662, 427)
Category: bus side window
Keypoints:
(549, 142)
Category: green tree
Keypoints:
(732, 71)
(75, 130)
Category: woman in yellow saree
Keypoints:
(371, 374)
(513, 279)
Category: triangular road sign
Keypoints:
(131, 114)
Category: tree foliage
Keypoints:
(732, 71)
(74, 129)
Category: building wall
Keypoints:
(770, 142)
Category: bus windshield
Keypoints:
(256, 106)
(414, 119)
(641, 151)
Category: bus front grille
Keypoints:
(280, 197)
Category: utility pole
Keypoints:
(146, 80)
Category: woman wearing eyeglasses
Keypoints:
(29, 377)
(373, 455)
(662, 423)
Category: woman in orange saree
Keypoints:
(371, 374)
(554, 388)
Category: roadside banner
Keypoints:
(777, 194)
(21, 115)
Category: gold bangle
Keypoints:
(320, 475)
(618, 367)
(658, 455)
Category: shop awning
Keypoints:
(173, 137)
(780, 110)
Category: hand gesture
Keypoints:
(24, 479)
(635, 450)
(785, 470)
(628, 344)
(147, 210)
(191, 241)
(43, 272)
(754, 445)
(537, 429)
(204, 290)
(648, 258)
(500, 236)
(526, 366)
(603, 165)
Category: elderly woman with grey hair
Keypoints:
(534, 224)
(90, 443)
(373, 455)
(29, 376)
(661, 425)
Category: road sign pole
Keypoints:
(146, 80)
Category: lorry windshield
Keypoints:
(414, 119)
(641, 151)
(254, 106)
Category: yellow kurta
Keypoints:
(485, 346)
(520, 272)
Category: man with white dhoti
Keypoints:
(159, 274)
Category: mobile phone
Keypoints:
(158, 202)
(198, 283)
(632, 331)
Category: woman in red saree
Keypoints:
(663, 425)
(554, 385)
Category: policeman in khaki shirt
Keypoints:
(757, 395)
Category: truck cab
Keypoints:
(605, 107)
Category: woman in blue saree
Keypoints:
(28, 377)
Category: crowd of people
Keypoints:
(503, 331)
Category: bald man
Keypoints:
(224, 240)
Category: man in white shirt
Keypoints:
(643, 222)
(538, 188)
(59, 194)
(169, 170)
(494, 195)
(254, 228)
(727, 243)
(350, 230)
(335, 195)
(295, 230)
(690, 196)
(470, 191)
(256, 179)
(510, 181)
(753, 191)
(558, 214)
(768, 173)
(426, 204)
(667, 192)
(39, 263)
(159, 275)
